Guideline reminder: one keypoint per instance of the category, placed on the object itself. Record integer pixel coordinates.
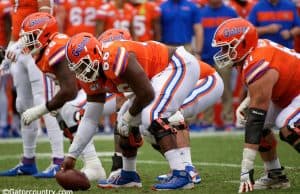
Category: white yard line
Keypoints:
(106, 157)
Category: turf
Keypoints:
(217, 158)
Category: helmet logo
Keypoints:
(234, 31)
(38, 21)
(76, 52)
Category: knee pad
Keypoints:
(254, 126)
(160, 128)
(264, 145)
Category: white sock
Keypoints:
(274, 164)
(185, 154)
(129, 164)
(55, 136)
(174, 158)
(29, 135)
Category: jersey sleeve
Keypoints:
(256, 66)
(115, 61)
(56, 50)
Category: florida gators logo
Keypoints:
(234, 31)
(76, 52)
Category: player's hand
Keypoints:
(285, 34)
(69, 163)
(247, 183)
(34, 113)
(241, 113)
(274, 28)
(13, 51)
(127, 121)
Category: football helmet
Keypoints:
(36, 30)
(237, 38)
(83, 52)
(114, 34)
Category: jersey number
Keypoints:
(86, 17)
(139, 25)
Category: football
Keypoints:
(72, 180)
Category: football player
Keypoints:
(32, 88)
(115, 14)
(40, 38)
(151, 105)
(146, 20)
(271, 73)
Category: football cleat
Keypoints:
(274, 179)
(21, 169)
(49, 172)
(124, 179)
(180, 179)
(190, 169)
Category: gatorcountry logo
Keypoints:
(76, 52)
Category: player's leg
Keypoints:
(206, 93)
(173, 85)
(124, 171)
(274, 176)
(24, 100)
(42, 89)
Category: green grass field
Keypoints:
(217, 158)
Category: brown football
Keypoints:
(72, 180)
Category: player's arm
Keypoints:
(260, 92)
(67, 83)
(46, 6)
(138, 81)
(86, 129)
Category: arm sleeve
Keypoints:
(87, 128)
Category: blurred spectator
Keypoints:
(276, 20)
(297, 38)
(146, 21)
(75, 16)
(242, 7)
(179, 22)
(5, 22)
(213, 14)
(115, 14)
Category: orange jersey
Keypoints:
(53, 54)
(21, 9)
(152, 56)
(143, 20)
(114, 17)
(205, 69)
(5, 8)
(242, 11)
(80, 16)
(269, 55)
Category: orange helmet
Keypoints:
(83, 51)
(36, 30)
(237, 37)
(114, 34)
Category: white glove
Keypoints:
(4, 67)
(126, 122)
(14, 50)
(34, 113)
(240, 113)
(246, 184)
